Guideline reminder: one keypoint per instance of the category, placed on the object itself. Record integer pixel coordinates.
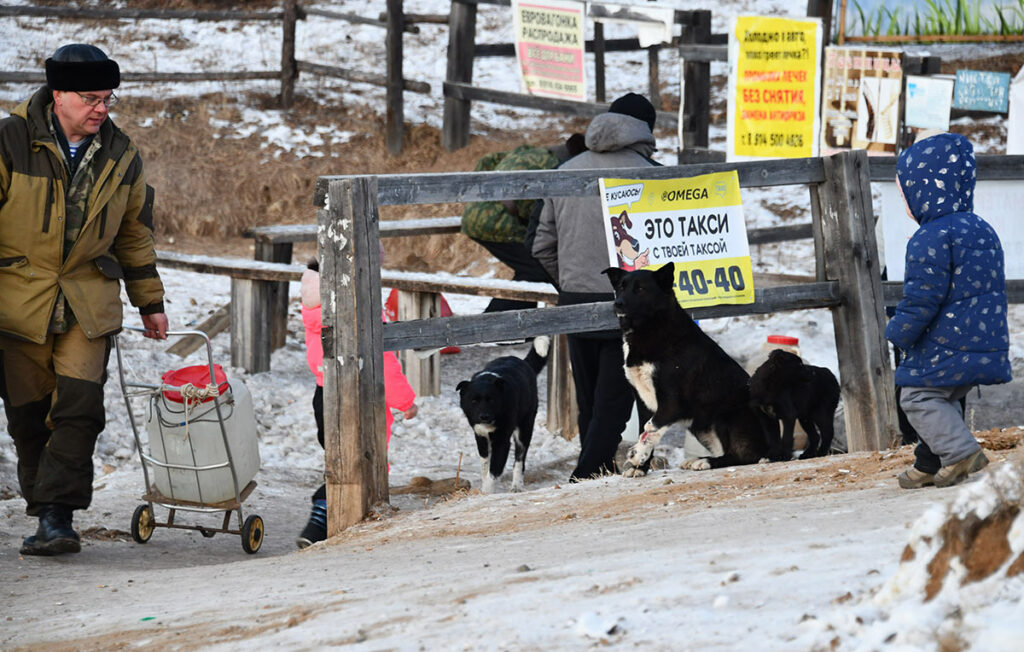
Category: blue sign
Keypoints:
(980, 90)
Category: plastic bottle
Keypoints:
(786, 343)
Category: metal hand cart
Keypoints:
(176, 485)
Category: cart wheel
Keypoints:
(252, 534)
(143, 523)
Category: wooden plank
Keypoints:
(360, 76)
(703, 52)
(277, 293)
(450, 225)
(599, 47)
(991, 167)
(588, 317)
(422, 372)
(697, 83)
(39, 77)
(893, 291)
(394, 118)
(250, 334)
(354, 433)
(609, 45)
(562, 412)
(289, 68)
(502, 289)
(388, 229)
(865, 367)
(233, 267)
(359, 20)
(653, 77)
(149, 14)
(461, 38)
(467, 92)
(436, 188)
(213, 325)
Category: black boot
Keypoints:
(54, 535)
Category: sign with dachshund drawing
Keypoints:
(696, 223)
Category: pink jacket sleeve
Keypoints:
(314, 347)
(398, 394)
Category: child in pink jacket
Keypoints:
(398, 395)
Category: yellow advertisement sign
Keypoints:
(773, 89)
(696, 223)
(550, 47)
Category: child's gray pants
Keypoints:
(935, 414)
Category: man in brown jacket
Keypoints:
(75, 219)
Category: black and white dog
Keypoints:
(500, 402)
(787, 388)
(683, 376)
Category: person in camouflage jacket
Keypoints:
(500, 226)
(75, 220)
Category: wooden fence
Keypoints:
(848, 282)
(394, 21)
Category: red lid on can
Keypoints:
(783, 339)
(198, 375)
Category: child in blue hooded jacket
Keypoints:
(951, 323)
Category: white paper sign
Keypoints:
(928, 102)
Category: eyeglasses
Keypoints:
(94, 100)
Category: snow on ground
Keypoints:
(724, 604)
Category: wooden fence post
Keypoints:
(289, 70)
(696, 84)
(461, 42)
(654, 76)
(599, 90)
(424, 374)
(276, 295)
(250, 331)
(851, 257)
(395, 117)
(356, 469)
(563, 413)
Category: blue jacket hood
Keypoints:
(937, 176)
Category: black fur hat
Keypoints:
(81, 67)
(636, 106)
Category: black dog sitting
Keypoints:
(683, 376)
(790, 390)
(500, 402)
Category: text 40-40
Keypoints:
(726, 279)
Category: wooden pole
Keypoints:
(289, 72)
(250, 334)
(599, 90)
(356, 469)
(563, 413)
(697, 85)
(395, 117)
(423, 374)
(276, 294)
(851, 255)
(653, 76)
(461, 40)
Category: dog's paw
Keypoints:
(698, 464)
(517, 487)
(630, 471)
(640, 452)
(487, 484)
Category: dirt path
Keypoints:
(794, 537)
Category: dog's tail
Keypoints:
(538, 355)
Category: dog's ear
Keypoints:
(614, 275)
(665, 275)
(461, 386)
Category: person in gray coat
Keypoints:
(570, 244)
